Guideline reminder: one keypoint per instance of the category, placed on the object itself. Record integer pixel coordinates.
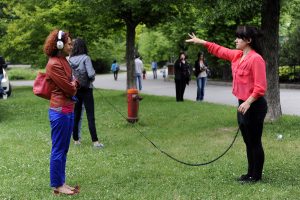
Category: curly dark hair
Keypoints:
(50, 48)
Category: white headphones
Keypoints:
(60, 43)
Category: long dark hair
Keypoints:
(250, 33)
(201, 53)
(79, 47)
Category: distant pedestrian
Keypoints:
(144, 74)
(115, 69)
(154, 69)
(84, 72)
(182, 75)
(2, 66)
(201, 75)
(249, 86)
(139, 67)
(164, 72)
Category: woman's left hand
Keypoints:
(195, 40)
(244, 107)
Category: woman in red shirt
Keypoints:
(61, 112)
(249, 86)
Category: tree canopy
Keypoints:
(118, 29)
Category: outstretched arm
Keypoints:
(215, 49)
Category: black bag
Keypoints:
(80, 73)
(82, 77)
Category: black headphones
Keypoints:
(60, 43)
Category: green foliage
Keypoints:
(25, 36)
(289, 74)
(129, 167)
(23, 73)
(162, 27)
(153, 46)
(290, 35)
(291, 48)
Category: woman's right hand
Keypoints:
(195, 40)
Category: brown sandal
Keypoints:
(76, 189)
(57, 192)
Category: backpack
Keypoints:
(81, 75)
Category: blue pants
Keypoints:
(201, 82)
(61, 131)
(138, 81)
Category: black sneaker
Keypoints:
(244, 177)
(248, 179)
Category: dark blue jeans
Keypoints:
(61, 131)
(201, 83)
(138, 81)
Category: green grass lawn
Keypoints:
(129, 167)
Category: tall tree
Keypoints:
(270, 28)
(243, 12)
(131, 13)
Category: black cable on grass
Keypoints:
(167, 154)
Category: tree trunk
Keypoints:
(130, 38)
(270, 28)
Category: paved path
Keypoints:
(221, 94)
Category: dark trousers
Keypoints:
(1, 89)
(180, 87)
(116, 74)
(61, 131)
(251, 126)
(85, 96)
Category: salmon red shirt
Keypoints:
(249, 76)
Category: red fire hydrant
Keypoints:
(133, 105)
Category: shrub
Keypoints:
(289, 74)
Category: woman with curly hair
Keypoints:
(57, 46)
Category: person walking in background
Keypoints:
(84, 72)
(164, 72)
(201, 75)
(115, 69)
(154, 69)
(2, 66)
(61, 112)
(139, 67)
(249, 86)
(144, 74)
(182, 75)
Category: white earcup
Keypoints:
(59, 43)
